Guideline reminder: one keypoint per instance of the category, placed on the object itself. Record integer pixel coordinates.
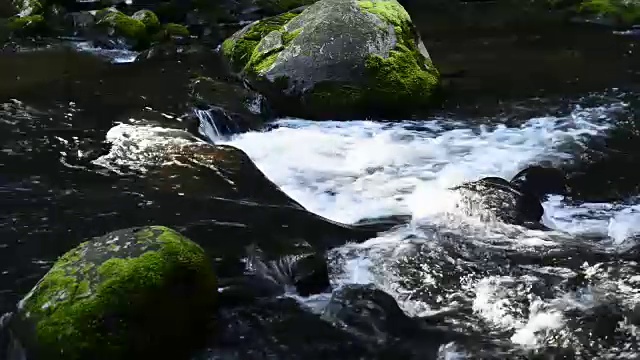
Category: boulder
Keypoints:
(148, 19)
(337, 59)
(374, 317)
(226, 107)
(135, 293)
(518, 201)
(134, 32)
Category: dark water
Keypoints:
(58, 105)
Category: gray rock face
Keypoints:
(337, 59)
(334, 39)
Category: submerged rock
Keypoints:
(375, 318)
(281, 328)
(337, 59)
(135, 293)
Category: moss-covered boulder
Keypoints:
(337, 59)
(139, 293)
(132, 30)
(148, 19)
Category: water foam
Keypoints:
(116, 56)
(348, 171)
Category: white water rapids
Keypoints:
(348, 171)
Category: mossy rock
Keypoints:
(622, 13)
(148, 19)
(173, 30)
(338, 59)
(132, 30)
(139, 293)
(27, 25)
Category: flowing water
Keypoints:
(514, 283)
(574, 287)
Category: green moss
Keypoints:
(389, 11)
(265, 63)
(148, 19)
(398, 84)
(405, 77)
(176, 30)
(623, 12)
(80, 304)
(288, 37)
(240, 50)
(401, 78)
(27, 24)
(124, 26)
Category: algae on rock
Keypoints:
(148, 19)
(134, 30)
(337, 59)
(133, 293)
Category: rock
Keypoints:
(367, 312)
(280, 328)
(172, 52)
(148, 19)
(516, 202)
(304, 270)
(136, 293)
(228, 105)
(235, 177)
(496, 199)
(541, 181)
(337, 59)
(27, 25)
(79, 23)
(116, 24)
(374, 317)
(175, 31)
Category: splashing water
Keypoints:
(515, 284)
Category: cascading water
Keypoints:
(214, 124)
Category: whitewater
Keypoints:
(502, 280)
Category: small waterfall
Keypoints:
(214, 123)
